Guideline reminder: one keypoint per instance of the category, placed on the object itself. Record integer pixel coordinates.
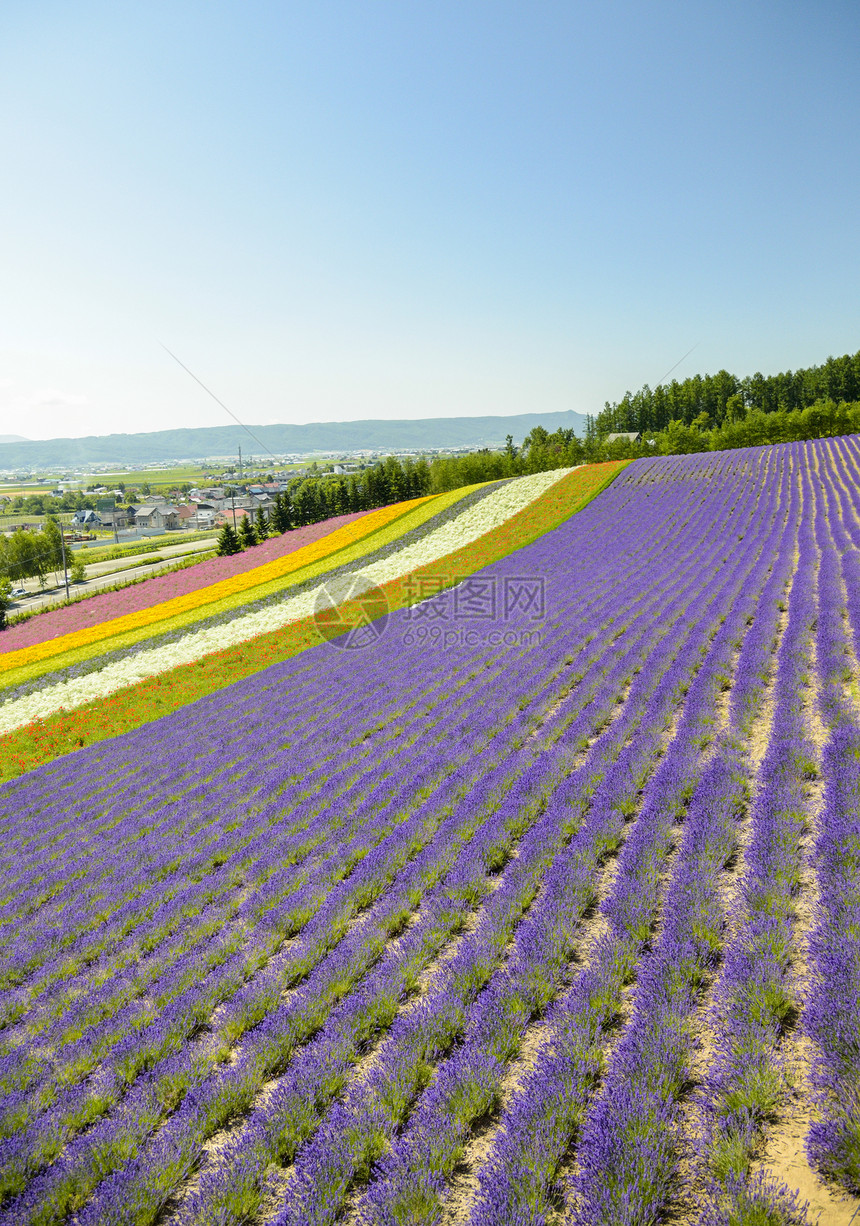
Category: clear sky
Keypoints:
(392, 208)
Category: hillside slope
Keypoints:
(543, 902)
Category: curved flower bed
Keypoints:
(276, 569)
(499, 506)
(104, 606)
(380, 545)
(168, 622)
(48, 736)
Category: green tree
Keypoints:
(279, 519)
(78, 572)
(228, 541)
(53, 544)
(247, 538)
(261, 526)
(5, 600)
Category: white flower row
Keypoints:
(474, 522)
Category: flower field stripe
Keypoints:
(539, 1123)
(832, 1018)
(499, 504)
(89, 659)
(185, 1129)
(304, 1206)
(167, 620)
(102, 606)
(274, 956)
(339, 539)
(178, 613)
(134, 705)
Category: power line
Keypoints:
(209, 392)
(678, 363)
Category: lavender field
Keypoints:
(541, 910)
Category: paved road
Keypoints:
(103, 574)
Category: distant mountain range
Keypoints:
(12, 438)
(345, 436)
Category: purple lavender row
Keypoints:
(755, 997)
(303, 1206)
(628, 1156)
(515, 1185)
(414, 1171)
(832, 1017)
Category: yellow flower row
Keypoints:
(340, 539)
(427, 509)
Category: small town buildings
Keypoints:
(156, 518)
(86, 519)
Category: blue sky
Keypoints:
(336, 210)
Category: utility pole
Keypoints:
(65, 568)
(241, 478)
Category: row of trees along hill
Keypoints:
(724, 396)
(28, 555)
(714, 413)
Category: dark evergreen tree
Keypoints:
(280, 518)
(261, 526)
(228, 541)
(247, 536)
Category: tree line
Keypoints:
(33, 555)
(724, 397)
(315, 499)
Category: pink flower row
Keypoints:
(163, 587)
